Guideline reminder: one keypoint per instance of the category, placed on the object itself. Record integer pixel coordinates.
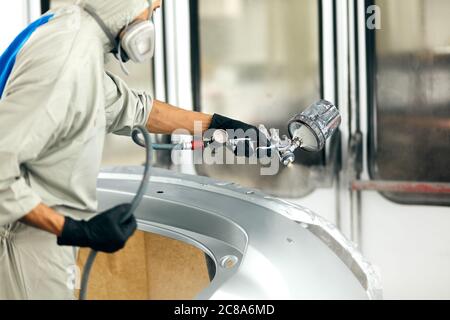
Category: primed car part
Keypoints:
(263, 247)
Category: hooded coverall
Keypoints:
(57, 107)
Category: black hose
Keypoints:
(156, 146)
(147, 143)
(86, 273)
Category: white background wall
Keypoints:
(410, 245)
(13, 17)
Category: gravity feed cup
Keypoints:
(315, 125)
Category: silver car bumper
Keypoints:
(263, 247)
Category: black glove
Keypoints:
(224, 123)
(105, 232)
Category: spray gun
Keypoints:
(308, 131)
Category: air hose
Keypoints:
(147, 143)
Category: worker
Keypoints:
(57, 104)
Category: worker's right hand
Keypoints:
(249, 133)
(105, 232)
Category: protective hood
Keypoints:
(117, 13)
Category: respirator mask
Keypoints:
(137, 42)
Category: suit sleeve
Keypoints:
(125, 107)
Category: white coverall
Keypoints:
(57, 107)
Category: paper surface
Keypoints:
(150, 267)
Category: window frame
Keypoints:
(372, 134)
(45, 6)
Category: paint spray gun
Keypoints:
(308, 131)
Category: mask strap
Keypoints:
(150, 13)
(100, 22)
(119, 56)
(116, 43)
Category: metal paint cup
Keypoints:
(315, 125)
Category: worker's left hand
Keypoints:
(244, 130)
(107, 232)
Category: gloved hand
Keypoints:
(105, 232)
(224, 123)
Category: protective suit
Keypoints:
(57, 107)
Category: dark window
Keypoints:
(45, 6)
(409, 95)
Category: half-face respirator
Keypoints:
(137, 42)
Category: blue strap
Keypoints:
(8, 58)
